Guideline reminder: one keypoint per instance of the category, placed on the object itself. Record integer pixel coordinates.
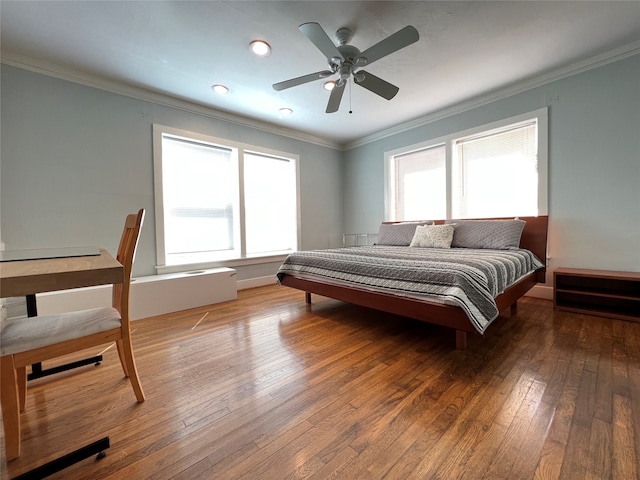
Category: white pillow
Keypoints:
(433, 236)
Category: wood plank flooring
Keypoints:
(267, 387)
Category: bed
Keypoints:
(390, 282)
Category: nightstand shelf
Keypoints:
(598, 292)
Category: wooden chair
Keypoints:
(28, 340)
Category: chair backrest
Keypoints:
(126, 254)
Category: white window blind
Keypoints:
(270, 207)
(495, 173)
(420, 186)
(199, 197)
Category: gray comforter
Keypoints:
(467, 278)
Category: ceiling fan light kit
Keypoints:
(346, 61)
(329, 85)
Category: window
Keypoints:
(495, 173)
(218, 201)
(497, 170)
(419, 185)
(270, 207)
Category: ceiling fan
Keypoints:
(346, 61)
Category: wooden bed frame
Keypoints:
(534, 238)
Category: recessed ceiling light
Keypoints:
(220, 89)
(330, 85)
(285, 112)
(260, 48)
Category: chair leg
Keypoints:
(21, 379)
(10, 407)
(127, 351)
(123, 362)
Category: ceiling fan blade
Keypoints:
(393, 43)
(320, 39)
(377, 85)
(300, 80)
(334, 99)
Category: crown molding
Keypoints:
(158, 98)
(44, 68)
(611, 56)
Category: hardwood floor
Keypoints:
(266, 387)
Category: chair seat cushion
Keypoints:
(26, 333)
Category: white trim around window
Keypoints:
(540, 117)
(231, 210)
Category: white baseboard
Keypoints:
(541, 291)
(256, 282)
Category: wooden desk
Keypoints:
(63, 271)
(28, 277)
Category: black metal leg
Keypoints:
(37, 371)
(54, 466)
(32, 311)
(32, 307)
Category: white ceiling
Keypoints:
(466, 50)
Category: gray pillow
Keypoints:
(398, 234)
(497, 234)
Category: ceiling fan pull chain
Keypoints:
(350, 88)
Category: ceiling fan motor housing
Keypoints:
(349, 53)
(349, 62)
(346, 60)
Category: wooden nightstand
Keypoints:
(598, 292)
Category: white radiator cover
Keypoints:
(150, 296)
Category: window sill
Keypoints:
(231, 263)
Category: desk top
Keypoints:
(26, 277)
(42, 253)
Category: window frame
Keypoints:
(449, 141)
(239, 148)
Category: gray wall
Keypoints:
(75, 160)
(594, 164)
